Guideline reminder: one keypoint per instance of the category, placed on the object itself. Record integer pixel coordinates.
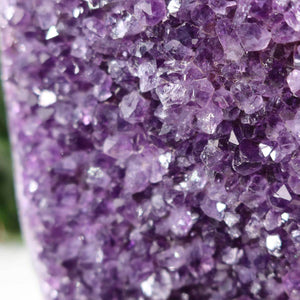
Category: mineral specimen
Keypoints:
(156, 146)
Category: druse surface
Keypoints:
(156, 146)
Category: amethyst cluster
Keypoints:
(156, 146)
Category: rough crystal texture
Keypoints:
(156, 146)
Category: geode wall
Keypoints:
(156, 146)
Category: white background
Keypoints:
(17, 278)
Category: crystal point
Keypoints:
(253, 37)
(293, 80)
(229, 40)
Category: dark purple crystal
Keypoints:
(156, 146)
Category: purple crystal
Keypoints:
(209, 118)
(292, 16)
(133, 108)
(293, 80)
(253, 37)
(229, 40)
(156, 145)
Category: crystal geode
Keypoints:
(156, 146)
